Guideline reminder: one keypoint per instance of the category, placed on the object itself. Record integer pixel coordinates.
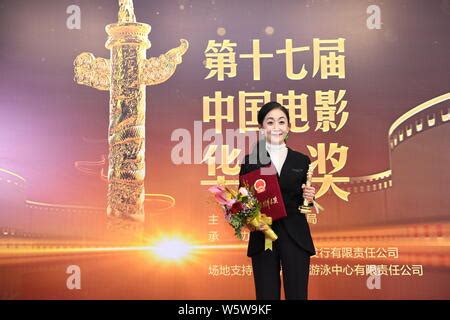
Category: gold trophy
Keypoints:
(306, 207)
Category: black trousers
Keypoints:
(291, 258)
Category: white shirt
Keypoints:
(278, 154)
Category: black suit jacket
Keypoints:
(293, 175)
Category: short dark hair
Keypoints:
(269, 106)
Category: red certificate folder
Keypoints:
(266, 189)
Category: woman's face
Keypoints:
(275, 126)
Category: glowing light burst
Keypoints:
(172, 249)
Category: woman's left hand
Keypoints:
(308, 192)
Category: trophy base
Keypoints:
(304, 210)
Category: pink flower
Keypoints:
(216, 189)
(243, 191)
(221, 196)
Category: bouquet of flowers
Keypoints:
(241, 208)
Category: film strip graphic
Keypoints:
(429, 114)
(10, 178)
(374, 182)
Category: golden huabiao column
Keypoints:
(125, 75)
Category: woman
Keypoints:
(294, 246)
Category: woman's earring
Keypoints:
(287, 137)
